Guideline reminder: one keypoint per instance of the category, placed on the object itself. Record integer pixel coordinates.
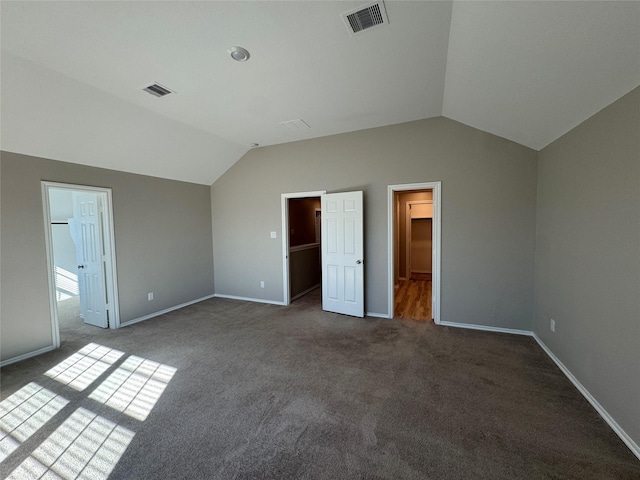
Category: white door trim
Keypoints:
(110, 260)
(436, 188)
(286, 290)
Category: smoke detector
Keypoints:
(239, 54)
(366, 17)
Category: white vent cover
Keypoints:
(295, 125)
(365, 17)
(157, 90)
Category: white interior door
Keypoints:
(90, 254)
(342, 253)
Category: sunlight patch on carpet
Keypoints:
(135, 387)
(86, 445)
(83, 444)
(83, 367)
(23, 413)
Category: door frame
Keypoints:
(111, 285)
(286, 285)
(436, 188)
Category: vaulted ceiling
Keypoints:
(526, 71)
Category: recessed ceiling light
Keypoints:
(239, 54)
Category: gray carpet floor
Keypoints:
(262, 391)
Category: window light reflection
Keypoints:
(66, 284)
(7, 446)
(23, 413)
(83, 367)
(135, 387)
(85, 446)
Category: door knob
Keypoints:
(358, 262)
(80, 266)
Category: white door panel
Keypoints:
(342, 253)
(90, 254)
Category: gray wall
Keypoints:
(488, 213)
(162, 237)
(588, 256)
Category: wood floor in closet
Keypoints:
(412, 298)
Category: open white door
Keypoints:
(342, 253)
(90, 254)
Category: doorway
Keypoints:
(305, 267)
(301, 220)
(340, 250)
(414, 251)
(80, 258)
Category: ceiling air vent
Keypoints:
(295, 125)
(365, 17)
(157, 90)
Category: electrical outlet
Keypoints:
(150, 296)
(552, 325)
(262, 284)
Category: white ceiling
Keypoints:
(531, 71)
(526, 71)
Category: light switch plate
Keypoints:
(274, 235)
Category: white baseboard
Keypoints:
(248, 299)
(471, 326)
(24, 356)
(377, 315)
(166, 310)
(628, 441)
(273, 302)
(633, 446)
